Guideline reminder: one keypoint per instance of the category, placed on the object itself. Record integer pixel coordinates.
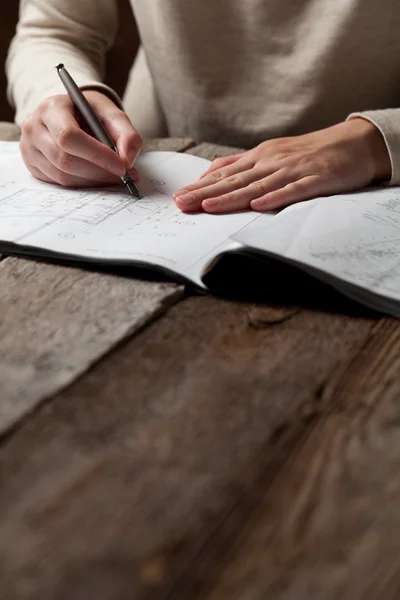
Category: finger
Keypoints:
(70, 164)
(222, 196)
(242, 198)
(221, 161)
(127, 140)
(70, 138)
(228, 192)
(54, 175)
(296, 191)
(216, 177)
(38, 174)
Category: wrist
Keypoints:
(375, 146)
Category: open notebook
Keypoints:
(351, 242)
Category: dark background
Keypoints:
(119, 59)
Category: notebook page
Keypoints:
(108, 224)
(355, 237)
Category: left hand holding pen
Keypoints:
(279, 172)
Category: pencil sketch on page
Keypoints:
(108, 224)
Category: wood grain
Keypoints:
(327, 527)
(228, 450)
(213, 431)
(122, 479)
(57, 321)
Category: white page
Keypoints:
(8, 150)
(355, 237)
(109, 224)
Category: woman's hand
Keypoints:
(56, 149)
(342, 158)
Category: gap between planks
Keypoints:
(175, 446)
(324, 525)
(164, 439)
(57, 321)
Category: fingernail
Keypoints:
(257, 204)
(186, 198)
(116, 167)
(179, 193)
(210, 202)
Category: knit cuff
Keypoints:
(388, 123)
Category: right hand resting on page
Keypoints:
(56, 149)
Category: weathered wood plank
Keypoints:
(140, 462)
(327, 526)
(159, 456)
(57, 321)
(9, 132)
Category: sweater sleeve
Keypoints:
(49, 32)
(388, 123)
(144, 109)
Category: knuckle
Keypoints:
(52, 102)
(235, 181)
(65, 138)
(63, 161)
(45, 104)
(261, 186)
(216, 176)
(291, 188)
(27, 126)
(279, 155)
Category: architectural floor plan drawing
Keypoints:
(108, 223)
(351, 241)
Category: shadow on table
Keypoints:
(243, 278)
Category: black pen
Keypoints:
(93, 122)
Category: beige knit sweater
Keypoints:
(231, 71)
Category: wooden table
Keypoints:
(159, 445)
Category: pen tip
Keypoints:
(60, 66)
(133, 189)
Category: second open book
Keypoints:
(351, 242)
